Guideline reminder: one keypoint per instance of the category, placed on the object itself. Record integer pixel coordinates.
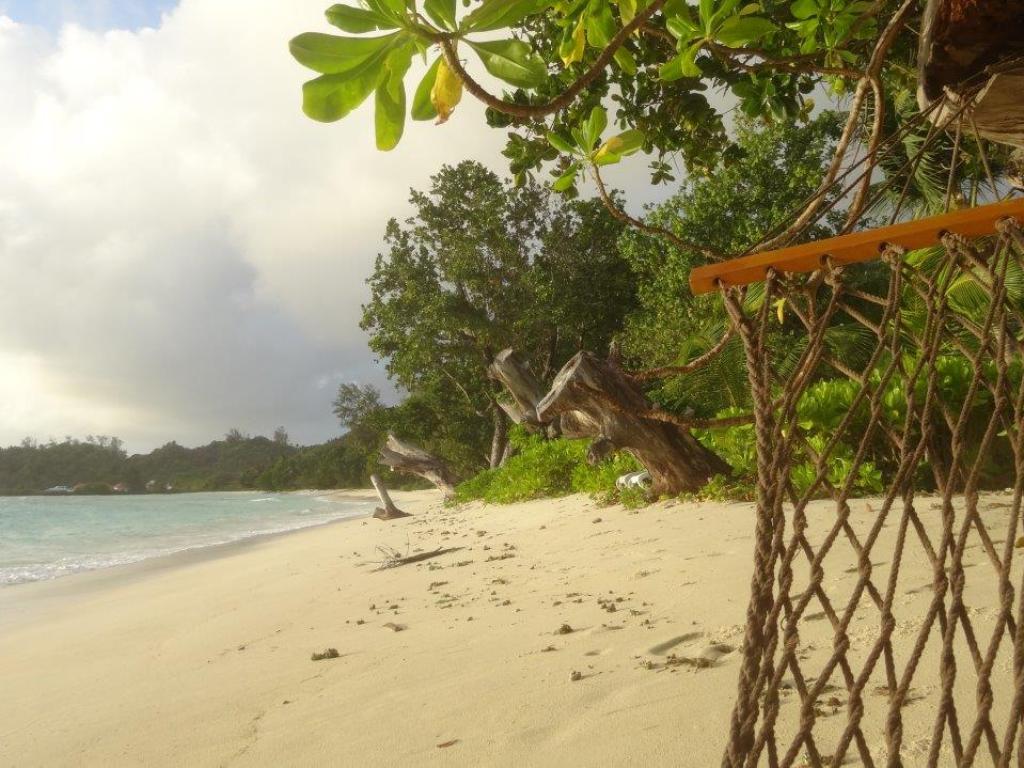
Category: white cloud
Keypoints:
(181, 250)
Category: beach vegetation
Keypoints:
(540, 468)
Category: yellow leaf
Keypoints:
(609, 147)
(780, 310)
(579, 42)
(447, 91)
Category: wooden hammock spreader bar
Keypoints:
(855, 247)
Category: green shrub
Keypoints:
(546, 468)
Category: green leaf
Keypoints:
(625, 61)
(512, 61)
(617, 147)
(422, 106)
(707, 10)
(332, 97)
(567, 179)
(389, 7)
(596, 124)
(740, 30)
(389, 118)
(357, 20)
(630, 141)
(334, 55)
(724, 10)
(600, 26)
(495, 14)
(804, 9)
(561, 143)
(682, 26)
(574, 42)
(627, 10)
(441, 12)
(683, 65)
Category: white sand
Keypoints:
(207, 663)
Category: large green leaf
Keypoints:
(357, 20)
(722, 11)
(683, 65)
(625, 61)
(617, 147)
(567, 179)
(596, 124)
(388, 7)
(804, 9)
(512, 61)
(707, 10)
(422, 106)
(682, 25)
(561, 143)
(441, 12)
(495, 14)
(389, 118)
(740, 30)
(332, 97)
(601, 26)
(334, 55)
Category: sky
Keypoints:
(181, 250)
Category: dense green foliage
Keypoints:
(229, 464)
(542, 468)
(32, 466)
(462, 279)
(484, 265)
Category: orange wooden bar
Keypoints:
(856, 247)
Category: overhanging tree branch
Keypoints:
(566, 97)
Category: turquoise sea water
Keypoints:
(43, 537)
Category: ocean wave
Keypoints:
(24, 572)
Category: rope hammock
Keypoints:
(801, 705)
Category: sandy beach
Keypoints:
(553, 633)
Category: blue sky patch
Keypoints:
(92, 14)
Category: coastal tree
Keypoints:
(671, 76)
(482, 265)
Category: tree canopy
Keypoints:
(675, 74)
(484, 265)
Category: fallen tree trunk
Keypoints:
(389, 511)
(610, 407)
(520, 382)
(403, 457)
(527, 391)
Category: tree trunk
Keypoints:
(527, 391)
(609, 406)
(521, 383)
(403, 457)
(389, 511)
(499, 440)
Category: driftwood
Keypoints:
(610, 407)
(389, 511)
(962, 42)
(527, 390)
(394, 560)
(403, 457)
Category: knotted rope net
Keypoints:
(888, 631)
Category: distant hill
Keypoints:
(235, 463)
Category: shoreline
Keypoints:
(30, 600)
(544, 633)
